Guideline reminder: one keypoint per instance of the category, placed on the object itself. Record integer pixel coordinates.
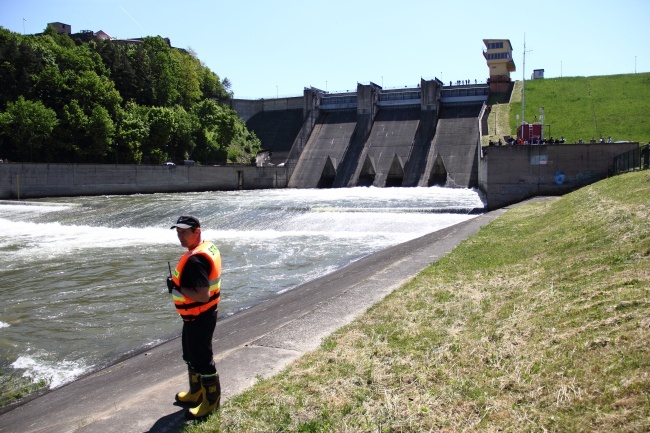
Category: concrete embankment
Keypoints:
(27, 180)
(509, 174)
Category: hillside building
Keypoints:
(538, 74)
(89, 35)
(61, 28)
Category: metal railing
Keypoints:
(635, 159)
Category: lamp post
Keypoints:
(517, 116)
(541, 118)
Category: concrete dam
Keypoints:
(422, 136)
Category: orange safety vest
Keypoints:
(186, 307)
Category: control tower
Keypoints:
(499, 60)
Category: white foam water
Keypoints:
(83, 278)
(54, 373)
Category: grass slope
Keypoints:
(585, 107)
(540, 322)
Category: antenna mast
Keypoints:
(523, 84)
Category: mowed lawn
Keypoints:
(577, 108)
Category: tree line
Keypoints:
(97, 101)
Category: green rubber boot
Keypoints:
(195, 395)
(212, 400)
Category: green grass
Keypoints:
(585, 107)
(14, 387)
(539, 322)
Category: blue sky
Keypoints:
(268, 48)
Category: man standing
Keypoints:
(195, 287)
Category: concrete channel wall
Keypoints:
(510, 174)
(28, 180)
(247, 108)
(507, 175)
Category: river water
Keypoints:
(83, 278)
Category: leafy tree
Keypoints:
(228, 126)
(243, 148)
(91, 135)
(212, 87)
(18, 61)
(161, 126)
(207, 113)
(123, 74)
(90, 90)
(67, 55)
(72, 129)
(144, 77)
(227, 86)
(222, 133)
(182, 142)
(132, 130)
(165, 71)
(100, 101)
(188, 79)
(51, 87)
(99, 136)
(25, 126)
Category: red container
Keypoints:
(530, 132)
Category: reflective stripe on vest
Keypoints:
(186, 307)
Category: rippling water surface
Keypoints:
(83, 278)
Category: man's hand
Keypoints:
(171, 285)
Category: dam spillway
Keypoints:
(422, 136)
(326, 147)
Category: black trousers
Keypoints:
(197, 343)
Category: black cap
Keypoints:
(186, 222)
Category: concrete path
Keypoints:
(136, 395)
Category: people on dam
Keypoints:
(195, 286)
